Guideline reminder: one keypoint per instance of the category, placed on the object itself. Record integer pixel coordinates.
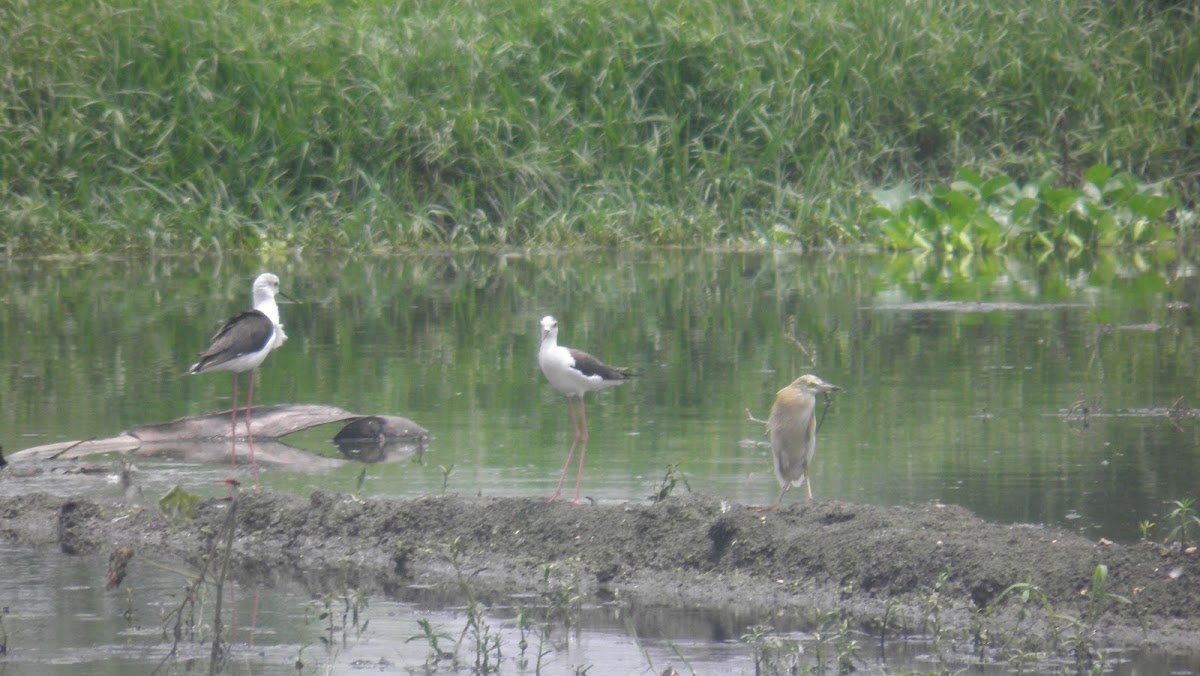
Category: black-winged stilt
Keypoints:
(240, 346)
(574, 373)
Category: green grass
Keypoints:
(189, 125)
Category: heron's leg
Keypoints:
(808, 485)
(774, 505)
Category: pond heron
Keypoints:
(792, 429)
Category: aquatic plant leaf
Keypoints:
(1108, 231)
(1024, 208)
(177, 503)
(973, 214)
(1151, 207)
(1163, 233)
(993, 187)
(1060, 200)
(1098, 175)
(971, 177)
(957, 205)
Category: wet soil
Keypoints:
(887, 568)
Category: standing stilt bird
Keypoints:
(574, 373)
(792, 428)
(240, 346)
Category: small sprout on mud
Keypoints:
(299, 663)
(1183, 517)
(670, 480)
(1020, 658)
(1100, 594)
(846, 590)
(562, 598)
(1080, 643)
(127, 614)
(1145, 527)
(933, 617)
(1029, 593)
(978, 630)
(454, 552)
(523, 644)
(1089, 656)
(433, 638)
(362, 479)
(832, 627)
(178, 504)
(889, 609)
(354, 604)
(487, 643)
(847, 649)
(543, 634)
(559, 599)
(773, 654)
(446, 472)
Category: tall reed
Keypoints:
(198, 125)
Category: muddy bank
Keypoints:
(879, 564)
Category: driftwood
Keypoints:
(365, 438)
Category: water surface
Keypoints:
(960, 404)
(1031, 400)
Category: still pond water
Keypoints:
(1048, 393)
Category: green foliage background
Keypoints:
(193, 125)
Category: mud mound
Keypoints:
(873, 562)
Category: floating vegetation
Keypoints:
(975, 214)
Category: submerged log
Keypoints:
(375, 438)
(206, 438)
